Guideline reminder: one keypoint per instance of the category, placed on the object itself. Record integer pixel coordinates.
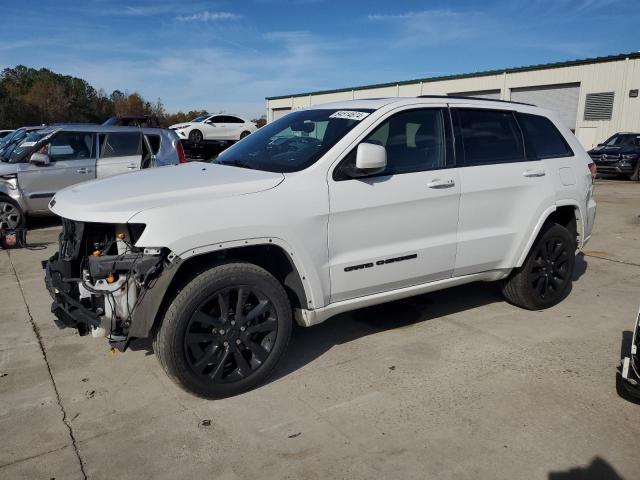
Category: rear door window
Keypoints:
(125, 144)
(541, 137)
(487, 136)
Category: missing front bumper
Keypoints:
(630, 366)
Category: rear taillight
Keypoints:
(182, 158)
(594, 170)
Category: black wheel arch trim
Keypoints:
(157, 298)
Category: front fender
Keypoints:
(10, 189)
(311, 282)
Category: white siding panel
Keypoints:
(280, 112)
(488, 94)
(562, 99)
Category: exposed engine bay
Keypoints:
(98, 277)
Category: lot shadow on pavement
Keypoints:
(307, 344)
(598, 469)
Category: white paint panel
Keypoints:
(562, 99)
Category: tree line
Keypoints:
(33, 97)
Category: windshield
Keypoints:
(623, 139)
(7, 147)
(201, 118)
(14, 156)
(293, 142)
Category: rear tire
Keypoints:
(195, 136)
(244, 134)
(635, 176)
(225, 331)
(544, 279)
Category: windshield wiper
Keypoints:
(236, 163)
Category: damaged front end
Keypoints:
(629, 370)
(99, 280)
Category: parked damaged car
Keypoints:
(50, 159)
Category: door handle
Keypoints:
(131, 166)
(534, 173)
(83, 170)
(438, 183)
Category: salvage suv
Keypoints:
(326, 210)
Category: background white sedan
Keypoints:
(214, 127)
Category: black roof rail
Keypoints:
(460, 97)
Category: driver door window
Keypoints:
(72, 160)
(415, 141)
(71, 146)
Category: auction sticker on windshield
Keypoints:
(350, 115)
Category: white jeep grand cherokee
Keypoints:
(325, 210)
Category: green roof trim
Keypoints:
(487, 73)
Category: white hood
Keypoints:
(178, 126)
(116, 199)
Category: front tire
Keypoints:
(225, 331)
(544, 279)
(11, 215)
(244, 134)
(195, 136)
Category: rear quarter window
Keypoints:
(541, 138)
(154, 142)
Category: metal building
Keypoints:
(596, 97)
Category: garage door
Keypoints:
(488, 94)
(280, 112)
(562, 99)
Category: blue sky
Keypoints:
(229, 55)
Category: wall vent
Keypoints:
(599, 106)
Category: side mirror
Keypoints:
(601, 144)
(39, 159)
(370, 159)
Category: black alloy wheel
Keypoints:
(231, 334)
(545, 277)
(225, 330)
(549, 272)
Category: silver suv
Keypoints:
(56, 157)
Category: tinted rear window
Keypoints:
(120, 145)
(488, 136)
(542, 138)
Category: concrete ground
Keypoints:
(450, 385)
